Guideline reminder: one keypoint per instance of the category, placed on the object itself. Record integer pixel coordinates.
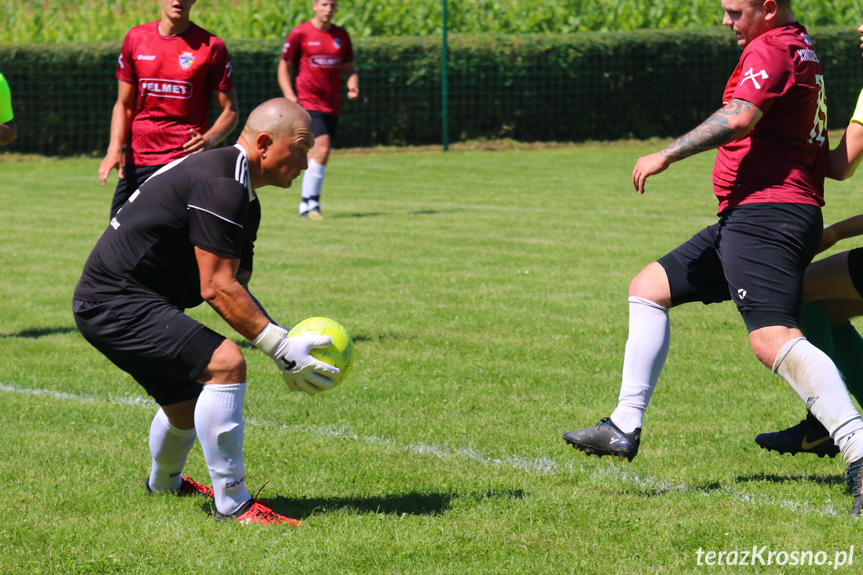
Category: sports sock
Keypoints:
(847, 352)
(313, 181)
(646, 351)
(219, 422)
(170, 447)
(811, 373)
(816, 327)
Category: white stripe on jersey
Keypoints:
(241, 171)
(200, 209)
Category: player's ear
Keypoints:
(263, 142)
(770, 9)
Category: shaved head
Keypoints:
(280, 118)
(277, 138)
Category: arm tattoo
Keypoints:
(715, 131)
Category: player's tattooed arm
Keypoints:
(731, 122)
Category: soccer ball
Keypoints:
(340, 353)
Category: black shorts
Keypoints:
(755, 255)
(855, 269)
(162, 348)
(324, 123)
(133, 177)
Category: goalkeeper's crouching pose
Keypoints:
(184, 237)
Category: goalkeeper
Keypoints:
(8, 127)
(186, 237)
(832, 295)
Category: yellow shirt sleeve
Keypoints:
(5, 101)
(857, 116)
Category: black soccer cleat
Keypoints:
(854, 478)
(605, 438)
(808, 436)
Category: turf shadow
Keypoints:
(413, 503)
(378, 214)
(36, 333)
(799, 478)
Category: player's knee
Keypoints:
(652, 284)
(227, 365)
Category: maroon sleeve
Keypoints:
(291, 49)
(220, 76)
(126, 63)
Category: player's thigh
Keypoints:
(764, 250)
(694, 270)
(162, 348)
(839, 277)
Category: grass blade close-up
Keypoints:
(486, 295)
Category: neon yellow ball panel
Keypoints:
(339, 354)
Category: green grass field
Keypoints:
(486, 292)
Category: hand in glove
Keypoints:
(300, 370)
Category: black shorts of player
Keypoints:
(755, 255)
(133, 177)
(324, 123)
(162, 348)
(855, 269)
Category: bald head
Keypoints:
(277, 138)
(280, 118)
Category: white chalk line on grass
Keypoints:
(537, 465)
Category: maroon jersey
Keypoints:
(317, 56)
(174, 77)
(784, 158)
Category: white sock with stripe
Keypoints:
(170, 447)
(219, 422)
(313, 182)
(645, 355)
(812, 374)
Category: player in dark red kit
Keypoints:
(167, 72)
(315, 56)
(769, 179)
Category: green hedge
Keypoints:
(593, 86)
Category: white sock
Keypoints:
(170, 447)
(219, 422)
(811, 373)
(646, 351)
(313, 181)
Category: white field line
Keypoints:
(536, 465)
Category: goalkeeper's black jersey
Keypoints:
(203, 200)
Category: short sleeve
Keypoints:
(291, 48)
(126, 63)
(217, 212)
(220, 75)
(766, 73)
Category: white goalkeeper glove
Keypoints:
(301, 371)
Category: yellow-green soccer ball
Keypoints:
(339, 354)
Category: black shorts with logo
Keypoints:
(754, 255)
(162, 348)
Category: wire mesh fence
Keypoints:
(526, 87)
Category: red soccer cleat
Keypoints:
(253, 511)
(188, 486)
(191, 487)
